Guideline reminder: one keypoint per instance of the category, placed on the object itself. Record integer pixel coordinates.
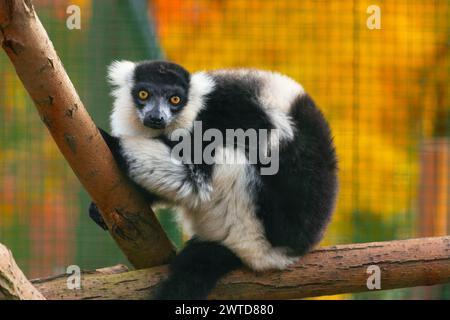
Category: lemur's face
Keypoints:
(160, 92)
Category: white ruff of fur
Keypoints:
(124, 118)
(277, 96)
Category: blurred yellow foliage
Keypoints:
(378, 88)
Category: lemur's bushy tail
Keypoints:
(195, 271)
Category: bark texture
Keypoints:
(130, 220)
(13, 283)
(325, 271)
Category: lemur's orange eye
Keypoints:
(175, 100)
(143, 95)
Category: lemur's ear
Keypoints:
(120, 73)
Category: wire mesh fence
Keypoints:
(383, 87)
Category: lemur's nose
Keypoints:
(154, 121)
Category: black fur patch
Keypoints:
(195, 271)
(97, 216)
(295, 205)
(162, 73)
(233, 104)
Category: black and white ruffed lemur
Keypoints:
(236, 215)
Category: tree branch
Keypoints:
(132, 223)
(325, 271)
(13, 283)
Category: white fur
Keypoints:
(221, 210)
(201, 84)
(277, 95)
(229, 217)
(125, 121)
(120, 73)
(279, 91)
(152, 166)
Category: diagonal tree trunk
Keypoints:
(132, 223)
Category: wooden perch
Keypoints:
(325, 271)
(13, 283)
(130, 220)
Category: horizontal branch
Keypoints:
(325, 271)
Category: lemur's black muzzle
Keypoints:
(154, 120)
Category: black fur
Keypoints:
(95, 215)
(195, 271)
(293, 205)
(233, 104)
(161, 73)
(114, 146)
(162, 81)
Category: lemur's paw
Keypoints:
(96, 216)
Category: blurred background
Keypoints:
(385, 93)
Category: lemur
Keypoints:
(236, 215)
